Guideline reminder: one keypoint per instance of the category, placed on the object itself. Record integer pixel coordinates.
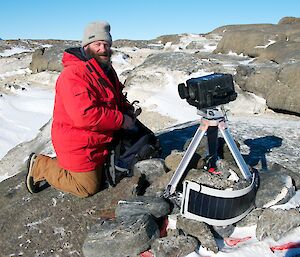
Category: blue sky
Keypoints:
(134, 19)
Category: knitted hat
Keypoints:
(94, 31)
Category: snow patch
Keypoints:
(15, 50)
(271, 42)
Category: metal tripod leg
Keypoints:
(234, 151)
(170, 189)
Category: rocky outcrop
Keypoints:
(52, 216)
(267, 43)
(276, 223)
(278, 84)
(274, 69)
(278, 43)
(128, 237)
(179, 246)
(55, 223)
(49, 58)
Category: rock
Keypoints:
(274, 188)
(172, 161)
(277, 84)
(50, 58)
(208, 179)
(251, 219)
(289, 20)
(137, 44)
(179, 61)
(120, 238)
(174, 39)
(276, 223)
(152, 169)
(202, 150)
(222, 232)
(39, 61)
(51, 221)
(157, 207)
(278, 48)
(158, 186)
(256, 40)
(173, 246)
(295, 176)
(200, 230)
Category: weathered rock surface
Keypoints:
(50, 58)
(52, 216)
(251, 219)
(279, 44)
(152, 169)
(295, 176)
(200, 230)
(277, 223)
(155, 206)
(173, 246)
(262, 40)
(278, 84)
(275, 188)
(121, 238)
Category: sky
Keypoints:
(134, 19)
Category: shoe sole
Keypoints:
(29, 178)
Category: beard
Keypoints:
(104, 58)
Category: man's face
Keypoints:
(100, 50)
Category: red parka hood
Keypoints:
(73, 56)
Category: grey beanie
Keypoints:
(99, 30)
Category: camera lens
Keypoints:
(193, 92)
(183, 91)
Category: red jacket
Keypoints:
(88, 109)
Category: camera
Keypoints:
(208, 91)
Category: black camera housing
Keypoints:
(208, 91)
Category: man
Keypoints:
(89, 108)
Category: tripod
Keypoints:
(212, 120)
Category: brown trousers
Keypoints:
(82, 184)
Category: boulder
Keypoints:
(251, 219)
(151, 168)
(277, 223)
(155, 206)
(199, 230)
(119, 238)
(171, 246)
(277, 84)
(50, 58)
(275, 188)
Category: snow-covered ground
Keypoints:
(24, 111)
(22, 114)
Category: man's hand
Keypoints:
(128, 122)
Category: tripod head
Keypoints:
(213, 113)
